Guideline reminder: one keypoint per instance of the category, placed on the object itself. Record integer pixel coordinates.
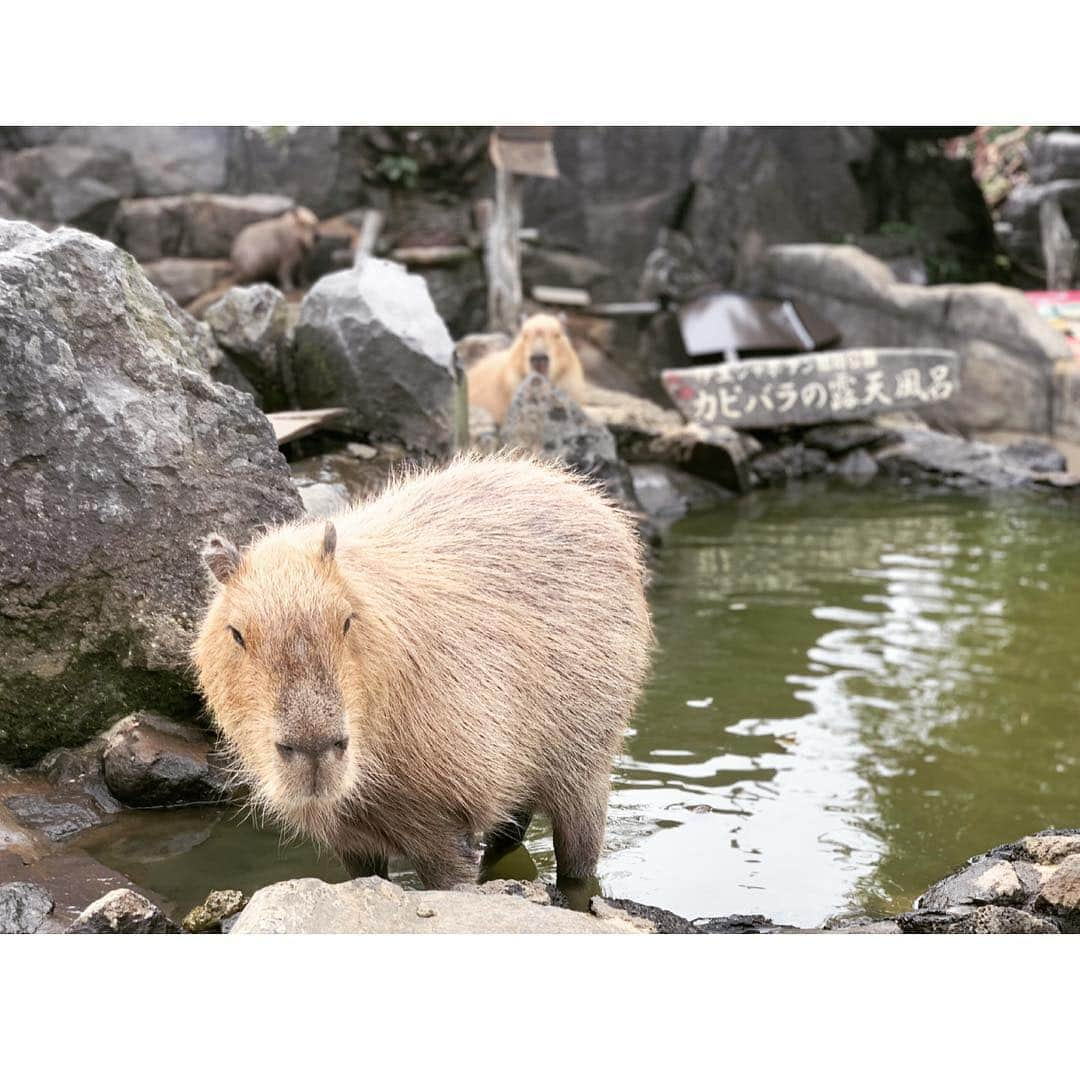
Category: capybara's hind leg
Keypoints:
(577, 820)
(506, 836)
(366, 865)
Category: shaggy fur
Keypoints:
(494, 378)
(498, 638)
(274, 249)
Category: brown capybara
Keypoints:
(273, 249)
(432, 665)
(541, 346)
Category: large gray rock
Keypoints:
(375, 906)
(167, 160)
(319, 167)
(784, 184)
(149, 760)
(117, 455)
(198, 226)
(1007, 351)
(370, 340)
(252, 323)
(618, 186)
(73, 185)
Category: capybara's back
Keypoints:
(465, 647)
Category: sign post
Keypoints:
(515, 152)
(813, 388)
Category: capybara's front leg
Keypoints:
(447, 861)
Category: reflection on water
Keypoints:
(855, 691)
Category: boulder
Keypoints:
(952, 460)
(1060, 893)
(24, 907)
(318, 166)
(122, 911)
(186, 279)
(166, 160)
(668, 494)
(253, 324)
(196, 226)
(545, 421)
(777, 467)
(645, 432)
(617, 187)
(117, 455)
(73, 185)
(375, 906)
(786, 185)
(149, 760)
(369, 339)
(988, 880)
(1036, 455)
(1008, 352)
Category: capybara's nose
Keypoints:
(314, 749)
(540, 362)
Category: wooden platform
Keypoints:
(291, 425)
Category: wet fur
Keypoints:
(501, 638)
(494, 378)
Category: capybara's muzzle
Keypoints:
(540, 362)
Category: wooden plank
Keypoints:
(524, 151)
(558, 296)
(813, 388)
(291, 425)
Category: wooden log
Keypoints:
(813, 388)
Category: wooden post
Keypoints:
(370, 227)
(502, 251)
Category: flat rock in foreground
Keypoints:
(375, 906)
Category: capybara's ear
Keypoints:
(221, 557)
(329, 540)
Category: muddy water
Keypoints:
(855, 691)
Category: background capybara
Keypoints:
(275, 248)
(541, 346)
(433, 664)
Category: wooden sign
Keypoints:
(525, 151)
(813, 388)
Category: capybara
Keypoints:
(541, 346)
(432, 665)
(275, 248)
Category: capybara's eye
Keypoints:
(237, 636)
(348, 623)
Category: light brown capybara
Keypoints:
(273, 249)
(432, 665)
(541, 346)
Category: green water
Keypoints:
(855, 691)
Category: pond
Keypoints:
(854, 692)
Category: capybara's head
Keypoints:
(306, 225)
(542, 346)
(276, 657)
